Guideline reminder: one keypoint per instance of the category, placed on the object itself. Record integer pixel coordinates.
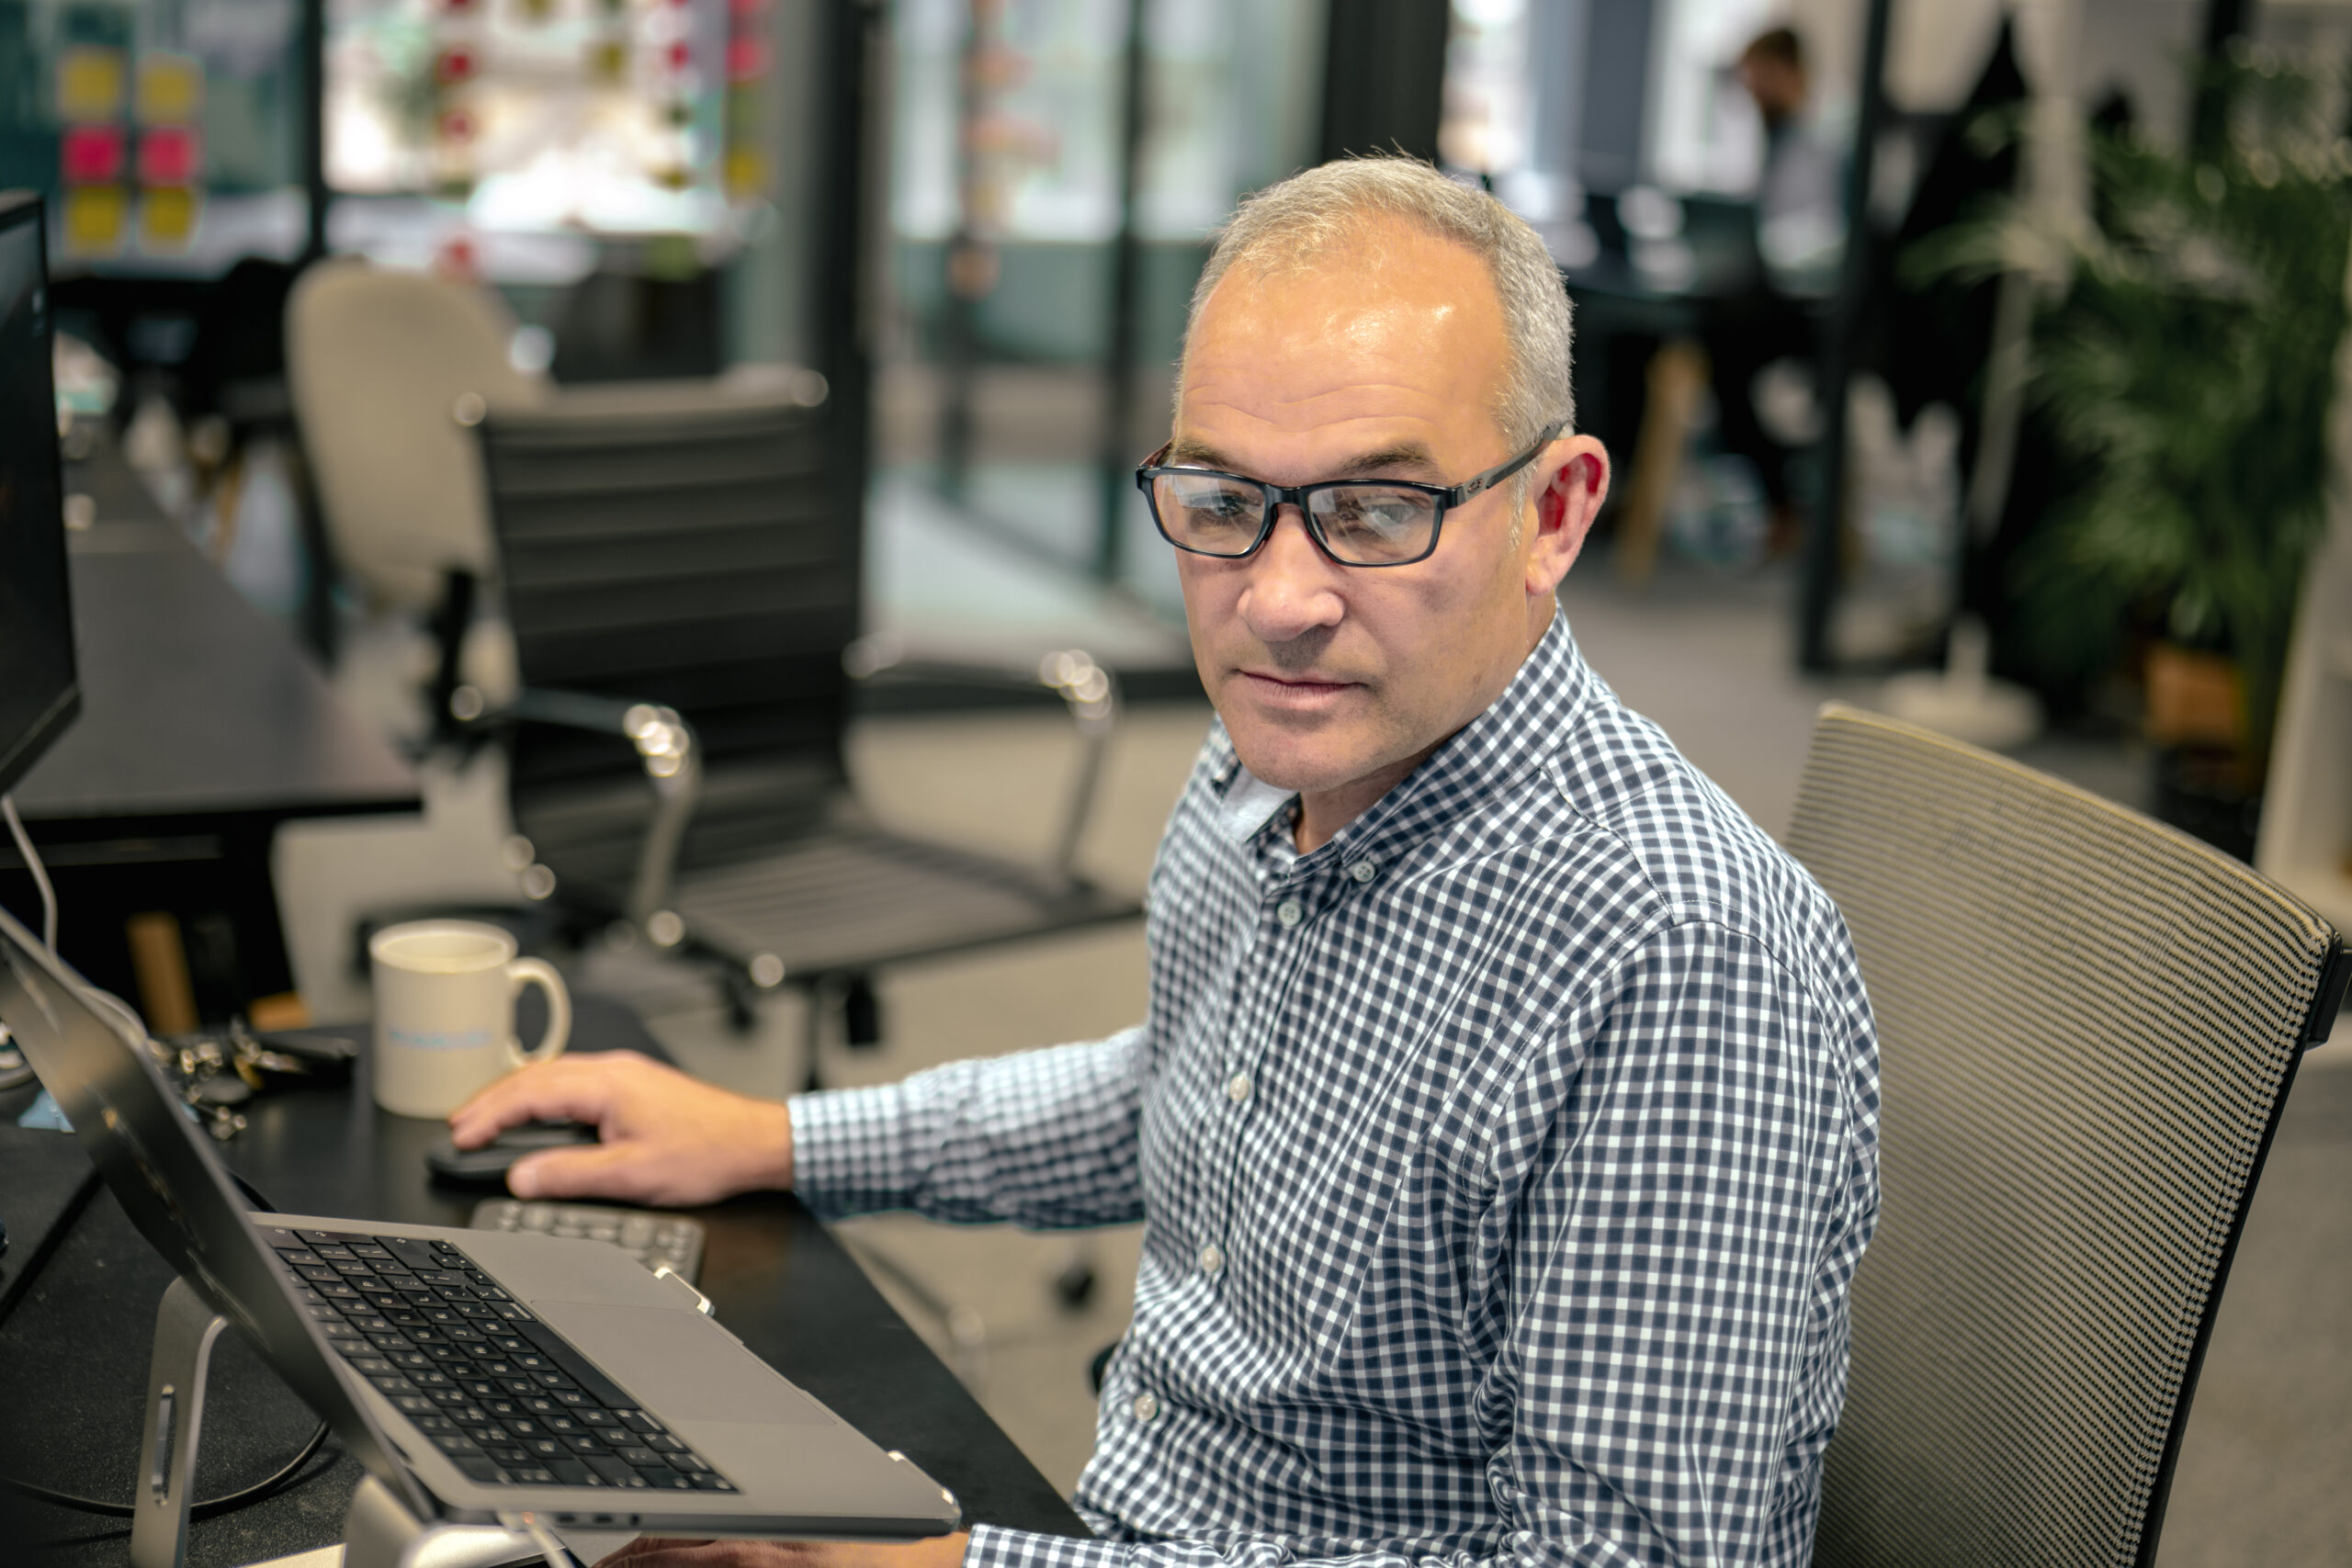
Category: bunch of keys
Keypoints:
(218, 1072)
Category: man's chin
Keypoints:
(1286, 758)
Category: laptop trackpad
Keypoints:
(701, 1372)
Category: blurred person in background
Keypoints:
(1503, 1123)
(1800, 245)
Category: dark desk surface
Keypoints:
(73, 1353)
(194, 706)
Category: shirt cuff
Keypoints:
(995, 1547)
(848, 1153)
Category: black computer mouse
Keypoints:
(487, 1165)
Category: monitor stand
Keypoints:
(379, 1531)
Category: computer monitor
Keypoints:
(39, 696)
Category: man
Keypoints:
(1503, 1126)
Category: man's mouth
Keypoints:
(1293, 688)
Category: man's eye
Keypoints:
(1386, 514)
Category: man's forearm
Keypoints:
(1041, 1138)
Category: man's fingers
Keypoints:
(570, 1088)
(608, 1170)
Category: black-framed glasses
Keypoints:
(1354, 522)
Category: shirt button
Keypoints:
(1145, 1407)
(1211, 1259)
(1363, 871)
(1237, 1087)
(1291, 912)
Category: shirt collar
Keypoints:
(1510, 738)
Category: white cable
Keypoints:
(106, 999)
(529, 1523)
(32, 863)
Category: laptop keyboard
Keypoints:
(505, 1397)
(648, 1236)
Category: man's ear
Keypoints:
(1574, 481)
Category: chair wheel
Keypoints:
(861, 1014)
(1074, 1286)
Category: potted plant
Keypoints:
(2184, 358)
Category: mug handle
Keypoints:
(538, 972)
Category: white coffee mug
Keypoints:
(444, 1014)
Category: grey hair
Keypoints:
(1293, 224)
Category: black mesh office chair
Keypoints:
(685, 598)
(2088, 1025)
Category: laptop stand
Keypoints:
(379, 1531)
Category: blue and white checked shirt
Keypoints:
(1503, 1165)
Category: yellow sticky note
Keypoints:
(747, 172)
(168, 219)
(94, 219)
(89, 83)
(171, 89)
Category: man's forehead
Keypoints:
(1410, 332)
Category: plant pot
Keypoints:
(2211, 793)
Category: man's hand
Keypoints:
(650, 1552)
(666, 1138)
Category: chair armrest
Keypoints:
(668, 750)
(1089, 692)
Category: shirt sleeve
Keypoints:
(1681, 1233)
(1041, 1138)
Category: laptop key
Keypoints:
(506, 1452)
(706, 1482)
(535, 1475)
(644, 1459)
(636, 1420)
(412, 1403)
(582, 1443)
(588, 1416)
(668, 1479)
(546, 1447)
(571, 1473)
(486, 1434)
(612, 1470)
(393, 1385)
(691, 1464)
(571, 1397)
(415, 1254)
(435, 1422)
(479, 1468)
(665, 1443)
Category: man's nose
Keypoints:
(1293, 587)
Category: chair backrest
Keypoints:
(678, 543)
(376, 360)
(2087, 1024)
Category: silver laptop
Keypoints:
(473, 1372)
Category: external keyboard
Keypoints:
(504, 1396)
(647, 1235)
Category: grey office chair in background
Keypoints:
(374, 359)
(2088, 1025)
(685, 594)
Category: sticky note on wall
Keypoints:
(89, 83)
(171, 90)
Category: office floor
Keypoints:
(2271, 1438)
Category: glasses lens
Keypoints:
(1375, 524)
(1208, 513)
